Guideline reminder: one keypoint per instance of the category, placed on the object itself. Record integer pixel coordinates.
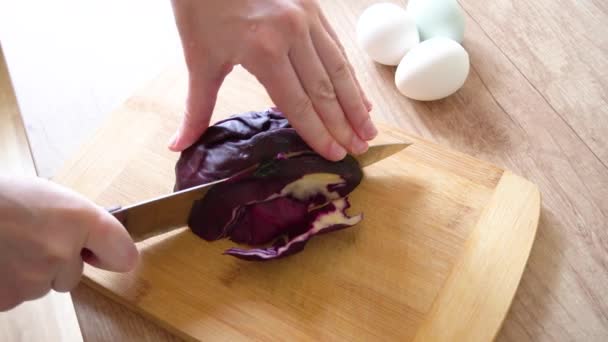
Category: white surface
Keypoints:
(386, 32)
(73, 61)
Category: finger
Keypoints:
(8, 294)
(330, 30)
(346, 88)
(320, 90)
(285, 90)
(203, 87)
(8, 302)
(68, 275)
(33, 285)
(109, 243)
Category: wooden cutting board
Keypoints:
(438, 256)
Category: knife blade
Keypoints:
(165, 213)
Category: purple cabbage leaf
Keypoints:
(279, 193)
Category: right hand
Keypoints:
(44, 229)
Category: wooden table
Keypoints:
(51, 317)
(535, 102)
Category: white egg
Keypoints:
(438, 18)
(432, 70)
(386, 32)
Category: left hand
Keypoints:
(292, 50)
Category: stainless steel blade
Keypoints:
(377, 153)
(162, 214)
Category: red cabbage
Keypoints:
(286, 195)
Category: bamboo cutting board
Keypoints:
(438, 256)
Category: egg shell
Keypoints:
(432, 70)
(386, 32)
(438, 18)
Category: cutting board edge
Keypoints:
(445, 312)
(537, 198)
(91, 283)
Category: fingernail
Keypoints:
(173, 140)
(368, 105)
(336, 152)
(366, 102)
(369, 130)
(358, 146)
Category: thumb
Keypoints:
(203, 87)
(108, 245)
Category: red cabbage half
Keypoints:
(280, 193)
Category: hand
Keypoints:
(43, 230)
(289, 46)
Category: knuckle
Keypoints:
(339, 129)
(56, 255)
(302, 106)
(266, 48)
(344, 137)
(336, 124)
(356, 114)
(324, 91)
(362, 120)
(295, 19)
(51, 259)
(309, 5)
(341, 70)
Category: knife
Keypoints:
(169, 212)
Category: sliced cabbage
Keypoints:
(326, 219)
(280, 193)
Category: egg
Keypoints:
(386, 32)
(438, 18)
(432, 70)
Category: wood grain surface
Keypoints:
(15, 156)
(460, 233)
(535, 102)
(52, 317)
(505, 115)
(457, 305)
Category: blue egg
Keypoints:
(438, 18)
